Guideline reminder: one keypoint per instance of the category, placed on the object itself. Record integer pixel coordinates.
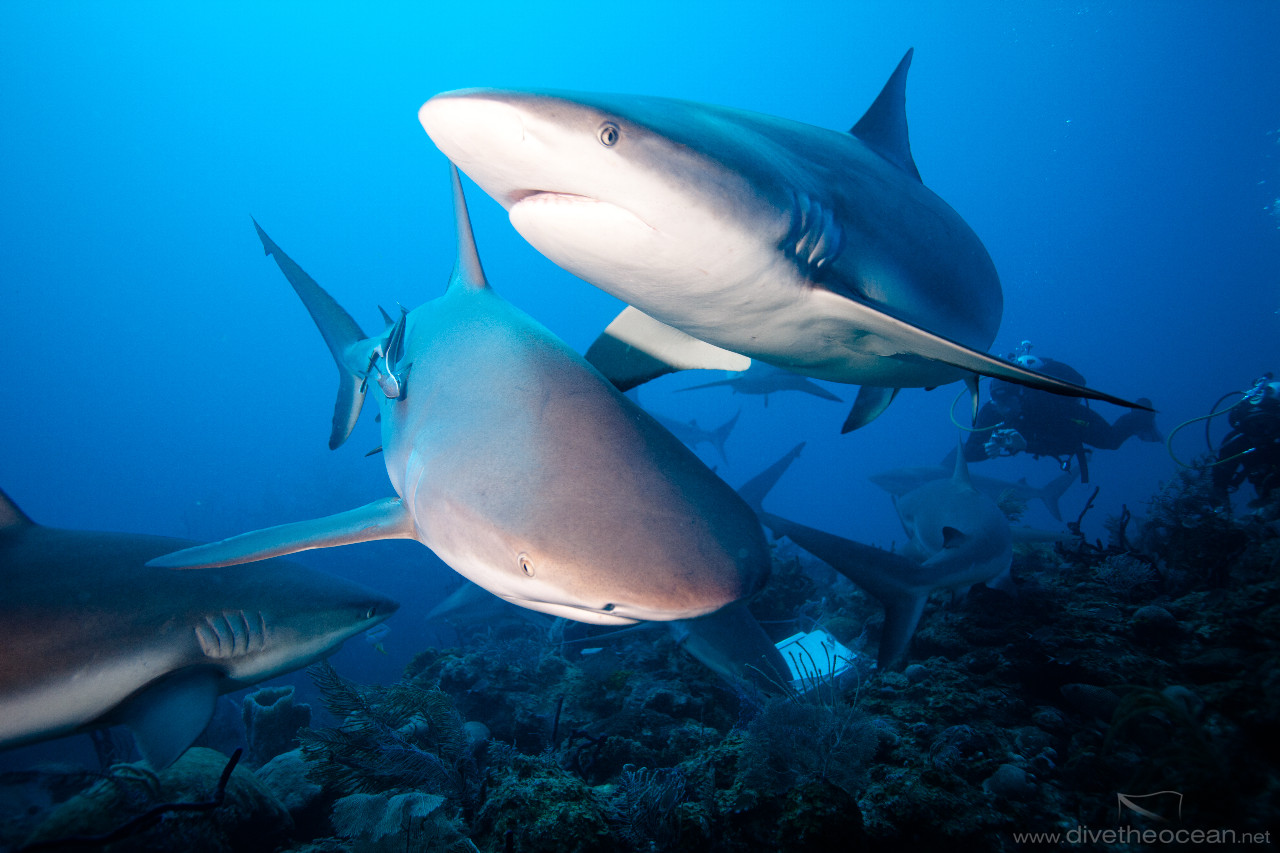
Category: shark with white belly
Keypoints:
(93, 637)
(733, 235)
(957, 538)
(519, 465)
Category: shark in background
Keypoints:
(694, 435)
(762, 379)
(94, 637)
(900, 481)
(520, 466)
(957, 537)
(733, 236)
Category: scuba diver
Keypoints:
(1020, 419)
(1251, 450)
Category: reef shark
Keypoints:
(519, 465)
(900, 481)
(692, 435)
(957, 538)
(93, 637)
(762, 379)
(733, 235)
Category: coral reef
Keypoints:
(271, 722)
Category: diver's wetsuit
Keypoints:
(1051, 424)
(1251, 451)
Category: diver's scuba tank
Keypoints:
(1257, 414)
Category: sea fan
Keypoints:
(403, 737)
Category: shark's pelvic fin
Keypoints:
(467, 272)
(339, 332)
(384, 519)
(870, 403)
(169, 714)
(636, 348)
(884, 125)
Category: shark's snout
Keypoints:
(470, 126)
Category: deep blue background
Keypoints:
(1120, 161)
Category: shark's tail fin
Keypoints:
(339, 332)
(754, 490)
(1054, 490)
(720, 435)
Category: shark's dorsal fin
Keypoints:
(467, 272)
(10, 515)
(883, 127)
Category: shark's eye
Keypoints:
(526, 564)
(371, 612)
(609, 134)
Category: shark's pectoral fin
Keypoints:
(953, 538)
(901, 616)
(731, 642)
(869, 405)
(168, 715)
(384, 519)
(636, 348)
(754, 490)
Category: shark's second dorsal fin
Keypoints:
(10, 515)
(883, 127)
(467, 272)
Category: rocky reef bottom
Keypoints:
(1129, 687)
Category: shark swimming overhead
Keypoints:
(736, 235)
(93, 637)
(519, 465)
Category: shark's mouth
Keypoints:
(566, 207)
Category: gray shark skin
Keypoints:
(519, 465)
(899, 481)
(958, 538)
(733, 235)
(762, 379)
(94, 637)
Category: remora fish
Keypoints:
(93, 637)
(899, 481)
(734, 235)
(520, 466)
(958, 538)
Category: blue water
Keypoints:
(1121, 162)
